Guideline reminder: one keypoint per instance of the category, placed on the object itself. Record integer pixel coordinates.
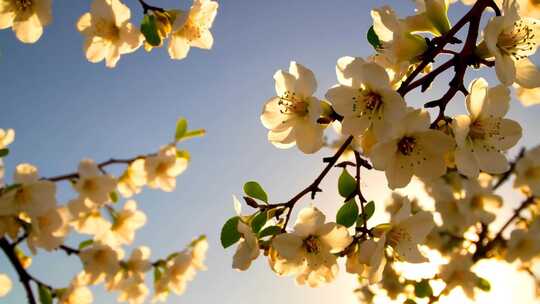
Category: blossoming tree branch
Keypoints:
(30, 213)
(109, 32)
(461, 160)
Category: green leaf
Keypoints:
(259, 221)
(483, 284)
(347, 214)
(270, 230)
(114, 196)
(253, 189)
(346, 184)
(229, 232)
(45, 296)
(85, 244)
(150, 31)
(409, 301)
(369, 209)
(373, 39)
(157, 274)
(181, 128)
(422, 289)
(194, 133)
(4, 152)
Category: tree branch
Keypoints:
(24, 277)
(147, 7)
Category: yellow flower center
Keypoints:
(368, 103)
(89, 185)
(311, 244)
(100, 256)
(406, 145)
(291, 104)
(162, 168)
(23, 5)
(44, 221)
(518, 41)
(373, 101)
(191, 31)
(107, 29)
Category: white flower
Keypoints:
(368, 260)
(248, 248)
(527, 172)
(481, 202)
(412, 149)
(455, 215)
(511, 40)
(311, 246)
(86, 218)
(292, 115)
(398, 44)
(133, 290)
(193, 29)
(432, 16)
(131, 273)
(127, 221)
(48, 230)
(108, 32)
(133, 179)
(458, 273)
(5, 285)
(26, 17)
(34, 196)
(163, 168)
(6, 138)
(524, 244)
(482, 135)
(405, 232)
(183, 267)
(76, 293)
(100, 261)
(365, 98)
(93, 184)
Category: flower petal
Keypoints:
(288, 245)
(335, 236)
(527, 74)
(309, 221)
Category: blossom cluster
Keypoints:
(30, 213)
(461, 159)
(108, 31)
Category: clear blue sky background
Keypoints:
(64, 108)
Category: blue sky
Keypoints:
(64, 108)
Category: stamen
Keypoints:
(406, 145)
(311, 244)
(292, 105)
(517, 42)
(23, 5)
